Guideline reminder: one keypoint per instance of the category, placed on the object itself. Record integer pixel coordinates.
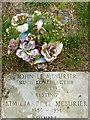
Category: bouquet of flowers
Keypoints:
(36, 37)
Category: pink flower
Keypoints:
(39, 24)
(13, 45)
(27, 51)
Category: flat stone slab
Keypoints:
(45, 95)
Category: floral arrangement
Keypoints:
(37, 37)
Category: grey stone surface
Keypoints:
(66, 18)
(45, 95)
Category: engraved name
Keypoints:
(57, 103)
(50, 76)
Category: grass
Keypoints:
(74, 56)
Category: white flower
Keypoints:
(51, 51)
(14, 21)
(37, 12)
(22, 28)
(19, 19)
(39, 24)
(7, 30)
